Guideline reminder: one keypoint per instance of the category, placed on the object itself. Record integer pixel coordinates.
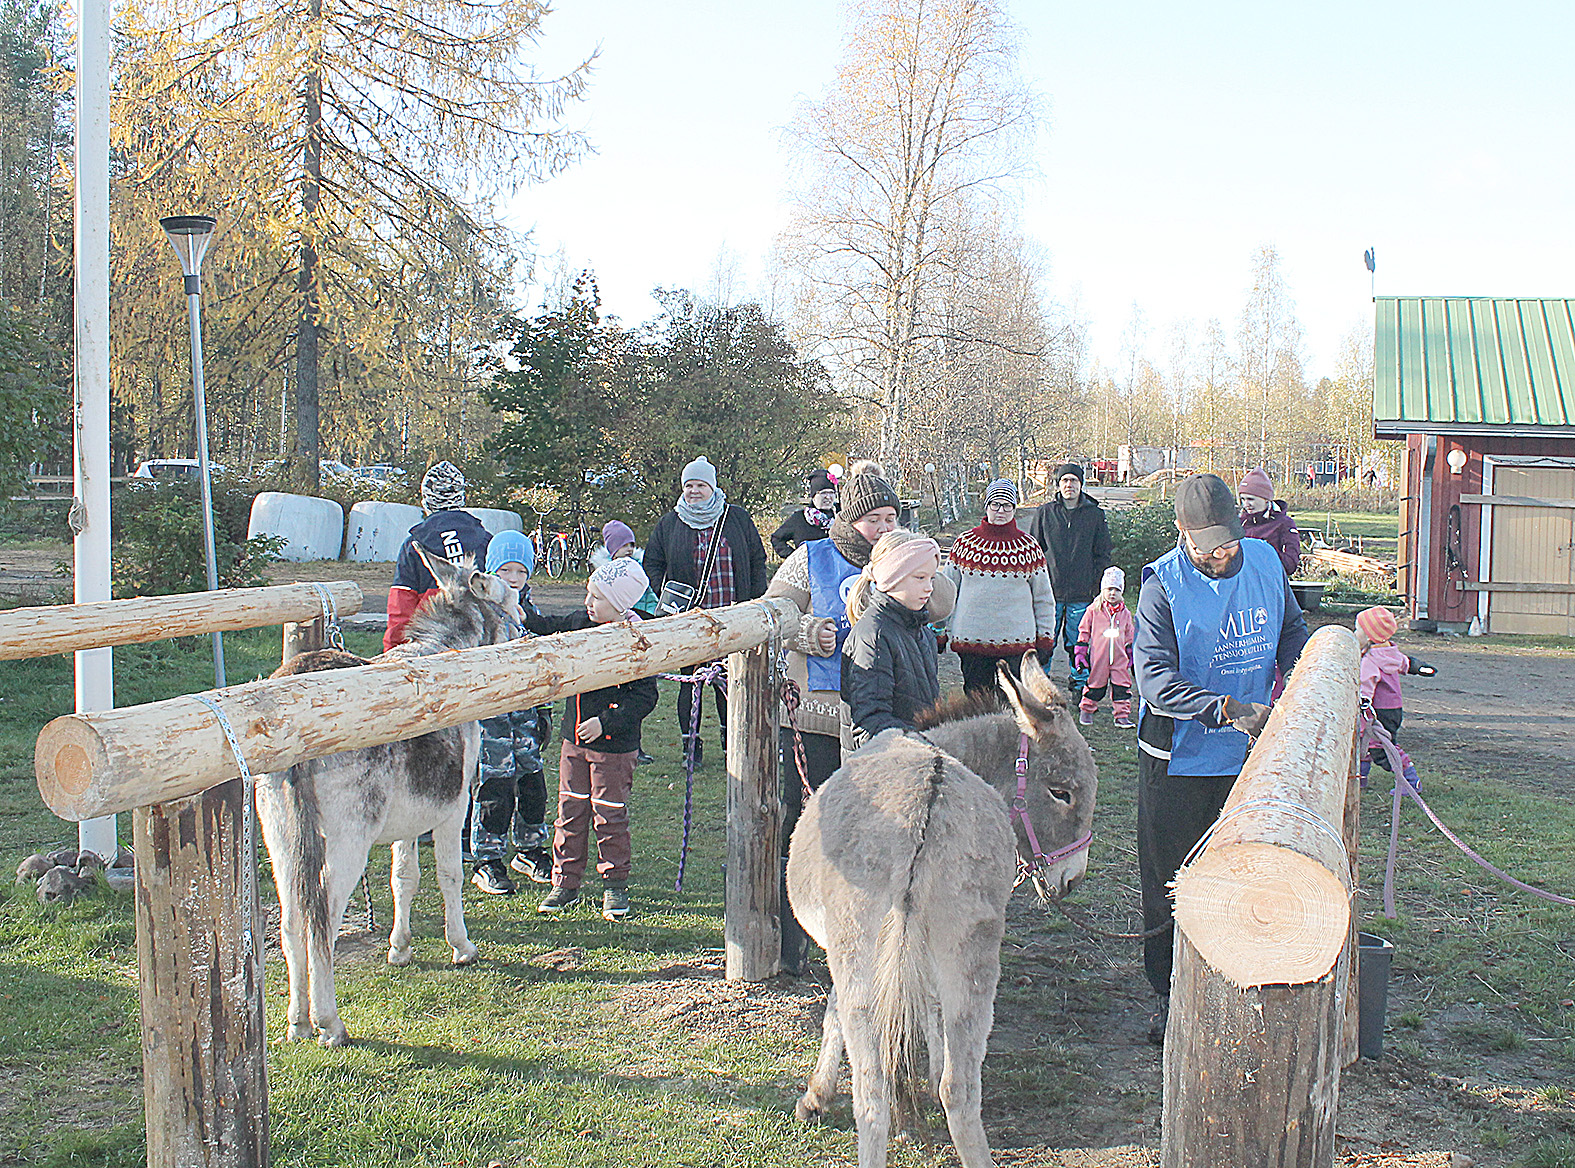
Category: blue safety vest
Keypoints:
(831, 578)
(1228, 633)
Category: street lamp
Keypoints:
(190, 235)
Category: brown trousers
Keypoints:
(593, 790)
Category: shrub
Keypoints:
(158, 546)
(1140, 535)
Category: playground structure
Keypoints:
(200, 953)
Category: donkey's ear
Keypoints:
(1040, 685)
(485, 586)
(1033, 719)
(446, 575)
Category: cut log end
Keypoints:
(66, 758)
(1263, 915)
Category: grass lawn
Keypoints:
(530, 1060)
(1379, 532)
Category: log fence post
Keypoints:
(1263, 941)
(301, 637)
(751, 926)
(204, 1033)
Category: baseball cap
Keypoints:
(1206, 508)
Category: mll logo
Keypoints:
(1244, 622)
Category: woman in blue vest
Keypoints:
(1214, 618)
(818, 577)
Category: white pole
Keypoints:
(95, 678)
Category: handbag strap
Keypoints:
(710, 560)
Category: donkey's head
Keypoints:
(471, 608)
(1062, 778)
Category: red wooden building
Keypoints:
(1483, 393)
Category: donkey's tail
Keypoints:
(303, 834)
(899, 990)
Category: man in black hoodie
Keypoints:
(1071, 529)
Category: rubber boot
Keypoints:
(1122, 709)
(794, 940)
(1085, 711)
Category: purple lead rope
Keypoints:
(712, 674)
(1407, 783)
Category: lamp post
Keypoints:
(190, 235)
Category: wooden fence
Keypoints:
(171, 764)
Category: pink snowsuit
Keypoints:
(1108, 636)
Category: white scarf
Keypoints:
(702, 516)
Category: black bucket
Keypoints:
(1374, 954)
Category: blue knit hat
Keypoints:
(511, 547)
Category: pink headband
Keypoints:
(903, 561)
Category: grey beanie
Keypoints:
(442, 487)
(1001, 491)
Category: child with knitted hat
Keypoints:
(1379, 680)
(1265, 517)
(1005, 605)
(1104, 648)
(601, 732)
(890, 673)
(511, 790)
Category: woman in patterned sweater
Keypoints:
(1005, 606)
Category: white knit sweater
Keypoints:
(1005, 605)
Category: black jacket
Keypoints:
(620, 707)
(670, 553)
(796, 530)
(1077, 547)
(889, 667)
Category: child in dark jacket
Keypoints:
(601, 732)
(1265, 517)
(1379, 679)
(511, 791)
(890, 673)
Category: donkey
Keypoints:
(901, 867)
(320, 818)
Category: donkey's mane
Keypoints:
(959, 707)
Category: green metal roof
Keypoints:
(1473, 365)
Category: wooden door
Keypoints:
(1533, 545)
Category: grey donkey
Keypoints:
(901, 867)
(321, 818)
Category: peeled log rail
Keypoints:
(65, 628)
(1252, 1053)
(113, 760)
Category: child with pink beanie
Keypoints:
(1379, 680)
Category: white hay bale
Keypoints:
(313, 529)
(497, 521)
(377, 531)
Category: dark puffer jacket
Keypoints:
(1077, 546)
(1277, 529)
(889, 668)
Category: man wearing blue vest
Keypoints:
(1214, 618)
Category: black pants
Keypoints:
(978, 672)
(1173, 813)
(686, 705)
(1390, 720)
(822, 757)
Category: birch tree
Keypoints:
(925, 112)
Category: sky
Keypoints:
(1176, 140)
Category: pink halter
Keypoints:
(1041, 862)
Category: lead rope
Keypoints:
(248, 831)
(325, 599)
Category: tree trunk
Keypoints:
(205, 1085)
(306, 412)
(751, 930)
(90, 764)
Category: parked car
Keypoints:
(380, 472)
(332, 468)
(170, 469)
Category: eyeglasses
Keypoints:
(1224, 548)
